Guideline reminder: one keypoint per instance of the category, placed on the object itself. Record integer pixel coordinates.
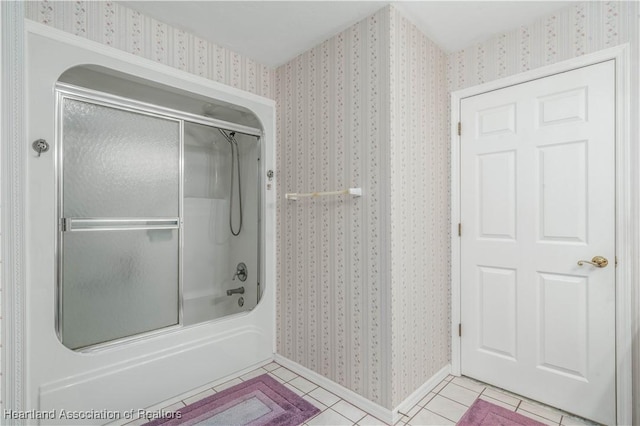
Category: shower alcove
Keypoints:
(150, 229)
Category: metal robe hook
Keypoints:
(40, 146)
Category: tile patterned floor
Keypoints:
(445, 405)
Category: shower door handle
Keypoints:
(72, 224)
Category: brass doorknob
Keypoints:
(597, 261)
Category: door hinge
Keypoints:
(459, 128)
(616, 259)
(459, 230)
(64, 224)
(459, 329)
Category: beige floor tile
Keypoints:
(303, 384)
(469, 384)
(428, 418)
(166, 403)
(315, 402)
(412, 412)
(501, 396)
(254, 373)
(227, 385)
(351, 412)
(276, 377)
(271, 366)
(542, 411)
(440, 386)
(199, 396)
(173, 407)
(369, 420)
(575, 421)
(538, 418)
(459, 394)
(294, 389)
(284, 374)
(324, 396)
(498, 402)
(329, 417)
(137, 422)
(449, 378)
(446, 408)
(426, 399)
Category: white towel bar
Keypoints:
(356, 192)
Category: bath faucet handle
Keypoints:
(241, 272)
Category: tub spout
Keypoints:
(239, 290)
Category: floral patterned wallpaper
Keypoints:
(420, 209)
(363, 282)
(583, 28)
(333, 272)
(115, 25)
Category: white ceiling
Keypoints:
(274, 32)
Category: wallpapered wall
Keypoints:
(364, 283)
(112, 24)
(420, 211)
(584, 28)
(333, 253)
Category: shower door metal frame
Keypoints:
(64, 91)
(68, 91)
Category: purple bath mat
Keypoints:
(261, 401)
(483, 413)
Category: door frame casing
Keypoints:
(627, 222)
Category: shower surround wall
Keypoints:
(364, 282)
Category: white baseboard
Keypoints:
(420, 393)
(386, 415)
(348, 395)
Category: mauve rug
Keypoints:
(261, 401)
(483, 413)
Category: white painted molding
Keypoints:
(455, 238)
(360, 401)
(12, 156)
(635, 158)
(376, 410)
(420, 393)
(627, 211)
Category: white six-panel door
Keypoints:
(537, 196)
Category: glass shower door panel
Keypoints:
(119, 163)
(118, 284)
(119, 264)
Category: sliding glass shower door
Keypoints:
(119, 242)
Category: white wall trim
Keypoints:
(627, 221)
(358, 400)
(417, 395)
(376, 410)
(13, 155)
